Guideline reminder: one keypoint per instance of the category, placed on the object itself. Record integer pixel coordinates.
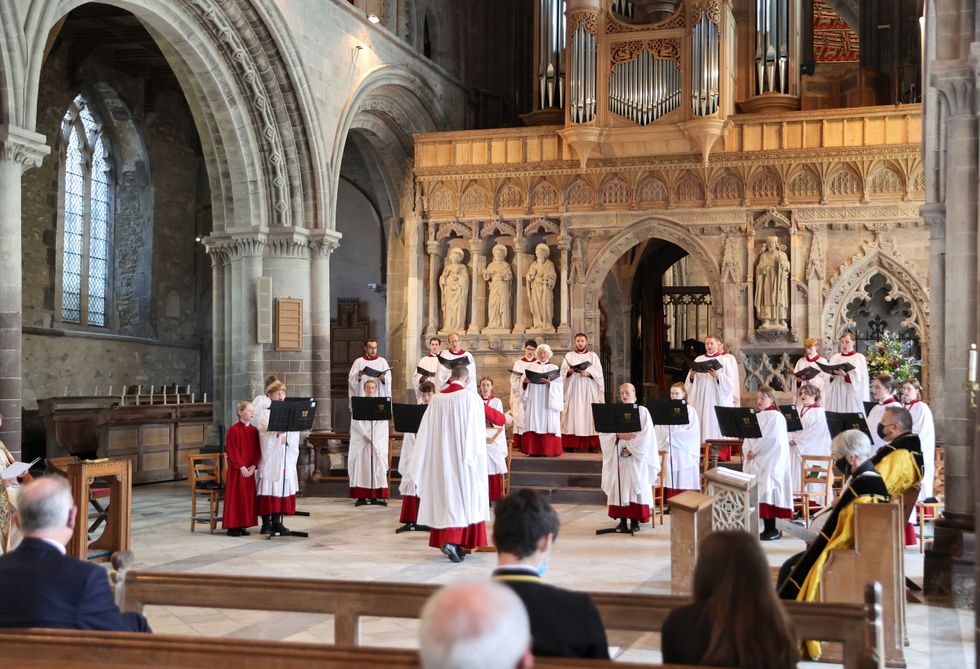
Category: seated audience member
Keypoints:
(899, 461)
(43, 587)
(474, 625)
(731, 575)
(564, 623)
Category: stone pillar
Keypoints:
(20, 150)
(522, 260)
(322, 245)
(435, 264)
(244, 366)
(414, 294)
(564, 245)
(219, 265)
(478, 288)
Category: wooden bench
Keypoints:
(856, 626)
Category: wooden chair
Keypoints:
(97, 495)
(939, 475)
(659, 491)
(816, 470)
(205, 474)
(926, 512)
(705, 463)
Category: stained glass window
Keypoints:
(87, 210)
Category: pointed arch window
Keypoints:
(84, 242)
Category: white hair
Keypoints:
(543, 347)
(44, 504)
(852, 442)
(474, 625)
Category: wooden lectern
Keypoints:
(690, 522)
(117, 475)
(736, 505)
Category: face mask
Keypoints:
(843, 467)
(881, 431)
(542, 568)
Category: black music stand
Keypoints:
(868, 406)
(407, 418)
(793, 421)
(738, 422)
(293, 414)
(371, 409)
(838, 422)
(614, 419)
(669, 413)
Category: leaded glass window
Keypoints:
(87, 209)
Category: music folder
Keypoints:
(540, 377)
(375, 373)
(293, 414)
(738, 422)
(807, 373)
(705, 366)
(370, 408)
(838, 422)
(461, 361)
(668, 412)
(830, 369)
(868, 406)
(407, 417)
(580, 367)
(615, 418)
(792, 416)
(422, 371)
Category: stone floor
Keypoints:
(349, 543)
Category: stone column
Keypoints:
(435, 264)
(244, 366)
(478, 288)
(20, 150)
(219, 265)
(522, 260)
(414, 294)
(564, 244)
(322, 245)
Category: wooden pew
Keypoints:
(74, 649)
(856, 626)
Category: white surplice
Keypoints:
(632, 475)
(356, 381)
(367, 457)
(925, 428)
(406, 485)
(682, 443)
(704, 392)
(449, 464)
(444, 372)
(847, 394)
(581, 393)
(268, 476)
(496, 441)
(429, 363)
(771, 461)
(543, 403)
(517, 394)
(874, 420)
(819, 381)
(813, 439)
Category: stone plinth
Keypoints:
(736, 505)
(690, 522)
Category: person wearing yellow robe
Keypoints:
(900, 460)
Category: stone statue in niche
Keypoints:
(499, 276)
(541, 279)
(455, 286)
(578, 270)
(772, 286)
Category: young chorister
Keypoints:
(813, 439)
(427, 368)
(276, 483)
(406, 488)
(812, 359)
(883, 392)
(846, 392)
(517, 391)
(367, 457)
(682, 443)
(924, 427)
(496, 439)
(243, 454)
(768, 459)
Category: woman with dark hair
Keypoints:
(731, 575)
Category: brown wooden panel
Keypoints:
(190, 434)
(156, 435)
(289, 324)
(156, 460)
(123, 440)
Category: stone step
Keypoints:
(564, 464)
(555, 479)
(570, 495)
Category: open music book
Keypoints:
(17, 469)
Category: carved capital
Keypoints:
(293, 243)
(956, 86)
(323, 243)
(432, 247)
(22, 147)
(935, 217)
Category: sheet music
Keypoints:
(17, 469)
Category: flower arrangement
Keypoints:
(893, 357)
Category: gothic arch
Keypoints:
(635, 233)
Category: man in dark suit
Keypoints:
(42, 586)
(564, 623)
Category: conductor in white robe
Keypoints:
(682, 443)
(813, 439)
(582, 389)
(430, 364)
(365, 368)
(768, 459)
(543, 404)
(496, 439)
(848, 391)
(706, 390)
(449, 467)
(367, 457)
(630, 465)
(923, 427)
(276, 482)
(517, 391)
(456, 351)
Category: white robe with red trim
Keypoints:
(444, 372)
(819, 381)
(683, 446)
(813, 439)
(924, 427)
(430, 363)
(847, 394)
(874, 420)
(517, 394)
(705, 392)
(543, 403)
(367, 457)
(629, 478)
(581, 393)
(356, 381)
(770, 462)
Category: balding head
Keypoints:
(475, 625)
(45, 508)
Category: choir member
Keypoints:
(922, 426)
(882, 390)
(373, 363)
(406, 487)
(456, 351)
(582, 389)
(811, 358)
(900, 460)
(813, 439)
(517, 390)
(276, 483)
(367, 457)
(847, 391)
(768, 459)
(543, 403)
(719, 387)
(496, 439)
(449, 467)
(682, 443)
(243, 455)
(430, 363)
(630, 465)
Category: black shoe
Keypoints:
(266, 525)
(381, 502)
(236, 532)
(593, 450)
(361, 502)
(452, 552)
(770, 535)
(667, 510)
(622, 526)
(635, 525)
(281, 530)
(243, 532)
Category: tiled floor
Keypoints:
(349, 543)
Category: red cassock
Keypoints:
(242, 450)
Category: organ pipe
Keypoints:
(772, 46)
(582, 75)
(644, 89)
(551, 53)
(705, 58)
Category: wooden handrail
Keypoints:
(348, 601)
